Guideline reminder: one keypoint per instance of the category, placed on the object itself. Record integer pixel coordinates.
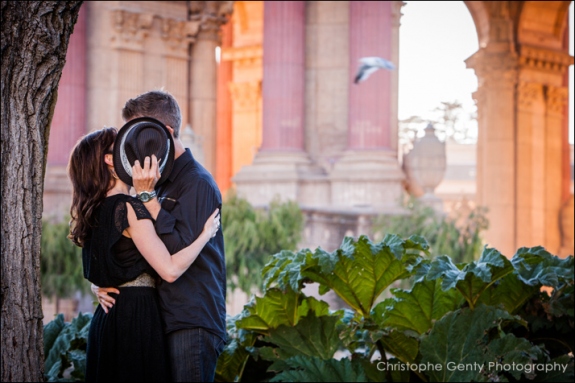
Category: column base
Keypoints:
(287, 175)
(367, 179)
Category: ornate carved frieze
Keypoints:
(243, 56)
(528, 93)
(211, 15)
(178, 34)
(130, 28)
(544, 59)
(245, 95)
(556, 98)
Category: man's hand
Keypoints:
(106, 301)
(145, 178)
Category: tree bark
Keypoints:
(35, 36)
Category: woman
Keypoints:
(121, 249)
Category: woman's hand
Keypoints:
(106, 301)
(146, 178)
(213, 224)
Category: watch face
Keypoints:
(144, 196)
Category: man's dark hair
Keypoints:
(157, 104)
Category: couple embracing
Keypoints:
(156, 260)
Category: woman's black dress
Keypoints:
(127, 344)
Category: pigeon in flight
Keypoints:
(369, 65)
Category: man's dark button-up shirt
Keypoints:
(198, 297)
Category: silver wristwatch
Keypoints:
(146, 196)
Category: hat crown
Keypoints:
(144, 140)
(138, 139)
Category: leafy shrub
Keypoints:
(60, 262)
(456, 235)
(65, 348)
(251, 235)
(484, 320)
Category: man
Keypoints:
(193, 307)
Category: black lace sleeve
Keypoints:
(121, 213)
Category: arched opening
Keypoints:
(435, 86)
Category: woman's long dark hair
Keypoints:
(90, 180)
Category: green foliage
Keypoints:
(320, 370)
(251, 235)
(60, 262)
(485, 320)
(458, 236)
(65, 348)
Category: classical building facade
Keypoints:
(280, 114)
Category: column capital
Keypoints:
(495, 69)
(211, 16)
(528, 93)
(245, 95)
(178, 34)
(556, 98)
(130, 28)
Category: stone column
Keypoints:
(280, 163)
(520, 103)
(177, 35)
(223, 173)
(69, 121)
(211, 14)
(496, 147)
(556, 98)
(368, 173)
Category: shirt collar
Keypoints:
(180, 163)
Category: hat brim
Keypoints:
(124, 171)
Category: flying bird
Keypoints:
(368, 65)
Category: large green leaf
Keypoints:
(285, 269)
(510, 292)
(64, 342)
(310, 369)
(360, 271)
(536, 266)
(417, 308)
(233, 359)
(557, 370)
(378, 371)
(461, 338)
(312, 336)
(51, 331)
(473, 278)
(510, 354)
(277, 308)
(398, 343)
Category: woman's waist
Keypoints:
(142, 280)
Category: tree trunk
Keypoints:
(35, 37)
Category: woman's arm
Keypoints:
(154, 251)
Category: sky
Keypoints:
(435, 39)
